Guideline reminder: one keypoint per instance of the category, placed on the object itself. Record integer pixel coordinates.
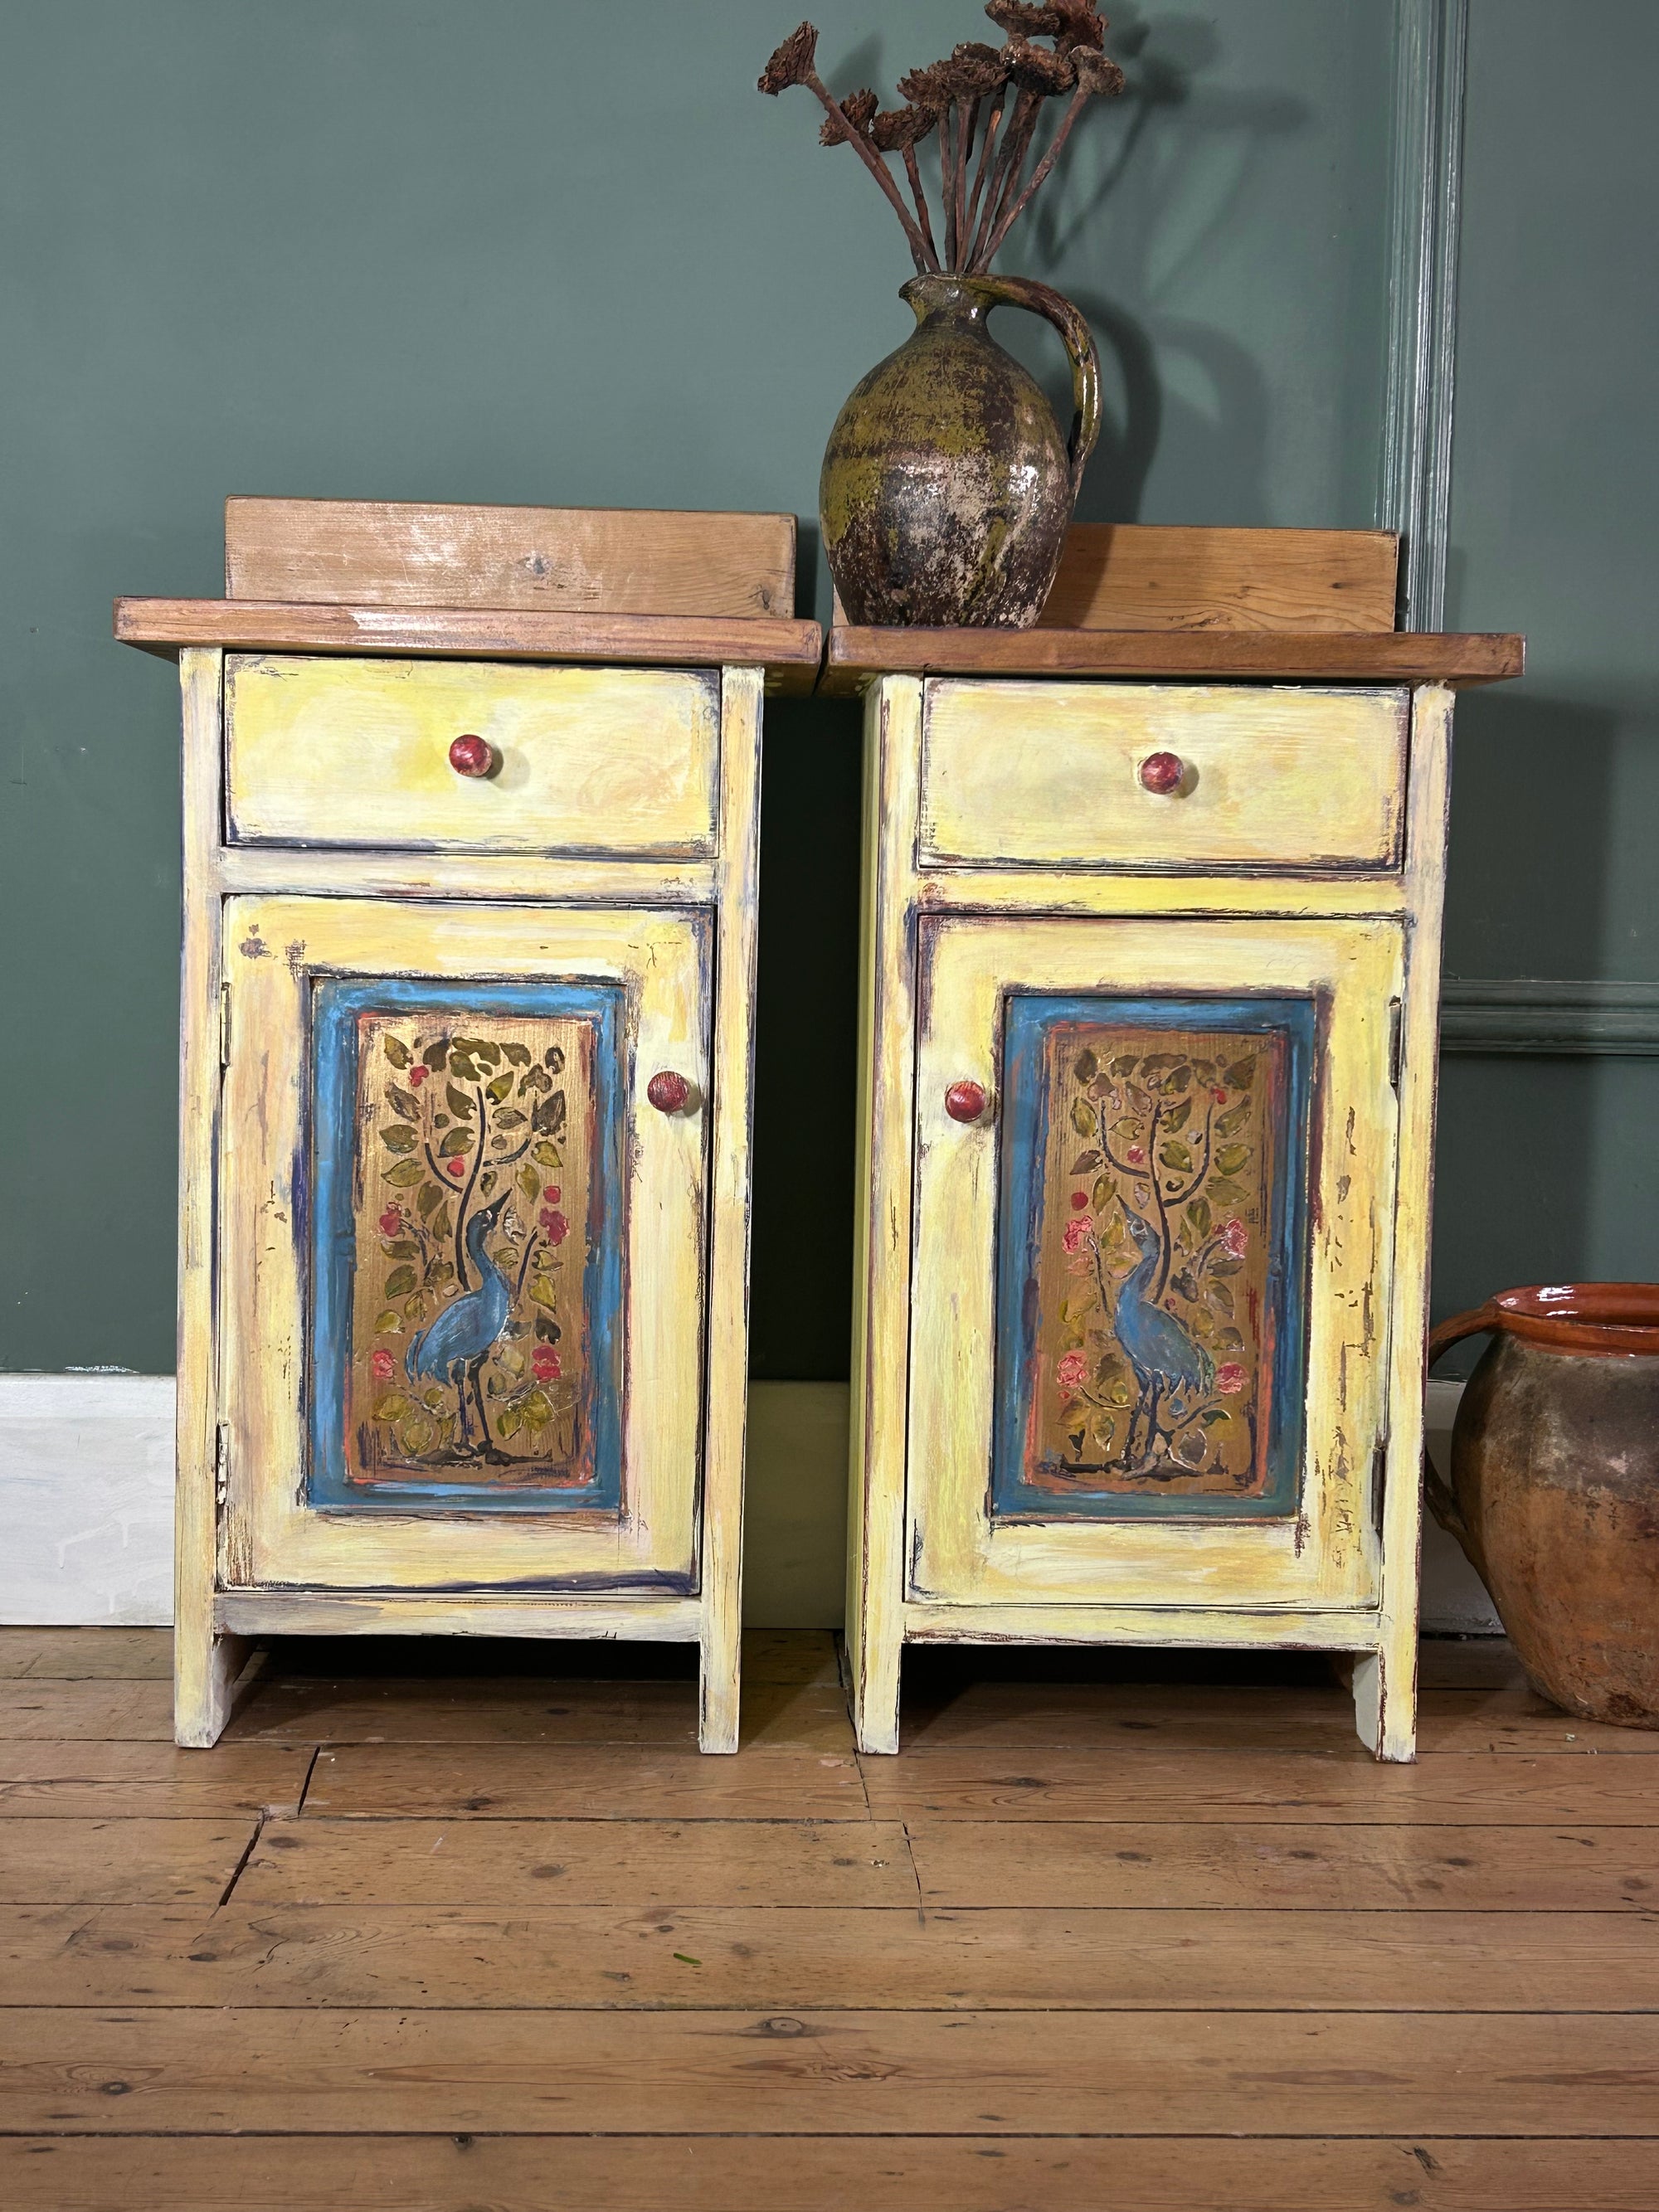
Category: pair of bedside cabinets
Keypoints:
(1151, 959)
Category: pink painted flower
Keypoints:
(1230, 1379)
(391, 1221)
(1077, 1233)
(418, 1073)
(554, 1224)
(383, 1366)
(550, 1193)
(1237, 1237)
(1079, 1201)
(457, 1166)
(1072, 1371)
(1136, 1156)
(546, 1364)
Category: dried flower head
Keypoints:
(891, 131)
(859, 109)
(1081, 24)
(1022, 20)
(792, 61)
(929, 86)
(977, 69)
(1037, 70)
(1097, 73)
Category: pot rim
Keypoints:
(1598, 1318)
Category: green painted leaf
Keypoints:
(542, 1293)
(1086, 1162)
(395, 1049)
(399, 1137)
(426, 1199)
(388, 1323)
(437, 1054)
(442, 1223)
(1085, 1067)
(403, 1248)
(1176, 1117)
(464, 1069)
(498, 1088)
(1179, 1078)
(1159, 1063)
(509, 1118)
(547, 1331)
(417, 1434)
(1221, 1300)
(392, 1407)
(400, 1282)
(1124, 1065)
(405, 1173)
(404, 1103)
(1200, 1215)
(458, 1103)
(1175, 1156)
(508, 1422)
(1229, 1339)
(1233, 1120)
(534, 1079)
(1103, 1194)
(1232, 1158)
(547, 1154)
(1225, 1266)
(529, 1183)
(1083, 1119)
(487, 1182)
(1240, 1076)
(1213, 1416)
(517, 1056)
(554, 1057)
(1228, 1194)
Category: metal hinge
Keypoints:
(224, 1025)
(221, 1466)
(1396, 1040)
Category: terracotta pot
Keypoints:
(1555, 1487)
(946, 491)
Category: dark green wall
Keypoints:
(1549, 1169)
(516, 250)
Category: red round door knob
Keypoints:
(668, 1092)
(1162, 772)
(473, 756)
(965, 1102)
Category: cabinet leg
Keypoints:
(204, 1671)
(875, 1670)
(719, 1679)
(1384, 1687)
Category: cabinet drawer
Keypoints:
(327, 751)
(1049, 775)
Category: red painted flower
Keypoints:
(1230, 1379)
(546, 1364)
(1079, 1201)
(418, 1073)
(1219, 1095)
(1237, 1238)
(383, 1366)
(1072, 1371)
(550, 1193)
(1077, 1233)
(554, 1224)
(1136, 1156)
(390, 1222)
(455, 1166)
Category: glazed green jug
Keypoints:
(947, 490)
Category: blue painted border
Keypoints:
(336, 1005)
(1028, 1018)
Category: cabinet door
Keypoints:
(461, 1254)
(1150, 1310)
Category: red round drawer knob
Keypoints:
(668, 1092)
(470, 755)
(965, 1102)
(1162, 772)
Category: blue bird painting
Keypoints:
(1167, 1358)
(452, 1350)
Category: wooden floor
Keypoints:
(1113, 1934)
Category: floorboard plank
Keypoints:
(535, 1863)
(974, 2174)
(771, 1958)
(139, 2070)
(121, 1862)
(116, 1781)
(1209, 1867)
(776, 1716)
(1462, 1787)
(117, 1711)
(594, 1782)
(1190, 1717)
(69, 1655)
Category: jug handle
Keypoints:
(1080, 342)
(1442, 1503)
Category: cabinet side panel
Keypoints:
(882, 1249)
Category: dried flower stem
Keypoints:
(879, 169)
(986, 144)
(1078, 100)
(923, 219)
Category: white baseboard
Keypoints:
(86, 1506)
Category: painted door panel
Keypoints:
(461, 1257)
(1147, 1355)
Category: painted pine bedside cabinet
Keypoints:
(470, 806)
(1151, 978)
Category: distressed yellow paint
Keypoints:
(1316, 862)
(1023, 774)
(331, 751)
(271, 1534)
(1328, 1555)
